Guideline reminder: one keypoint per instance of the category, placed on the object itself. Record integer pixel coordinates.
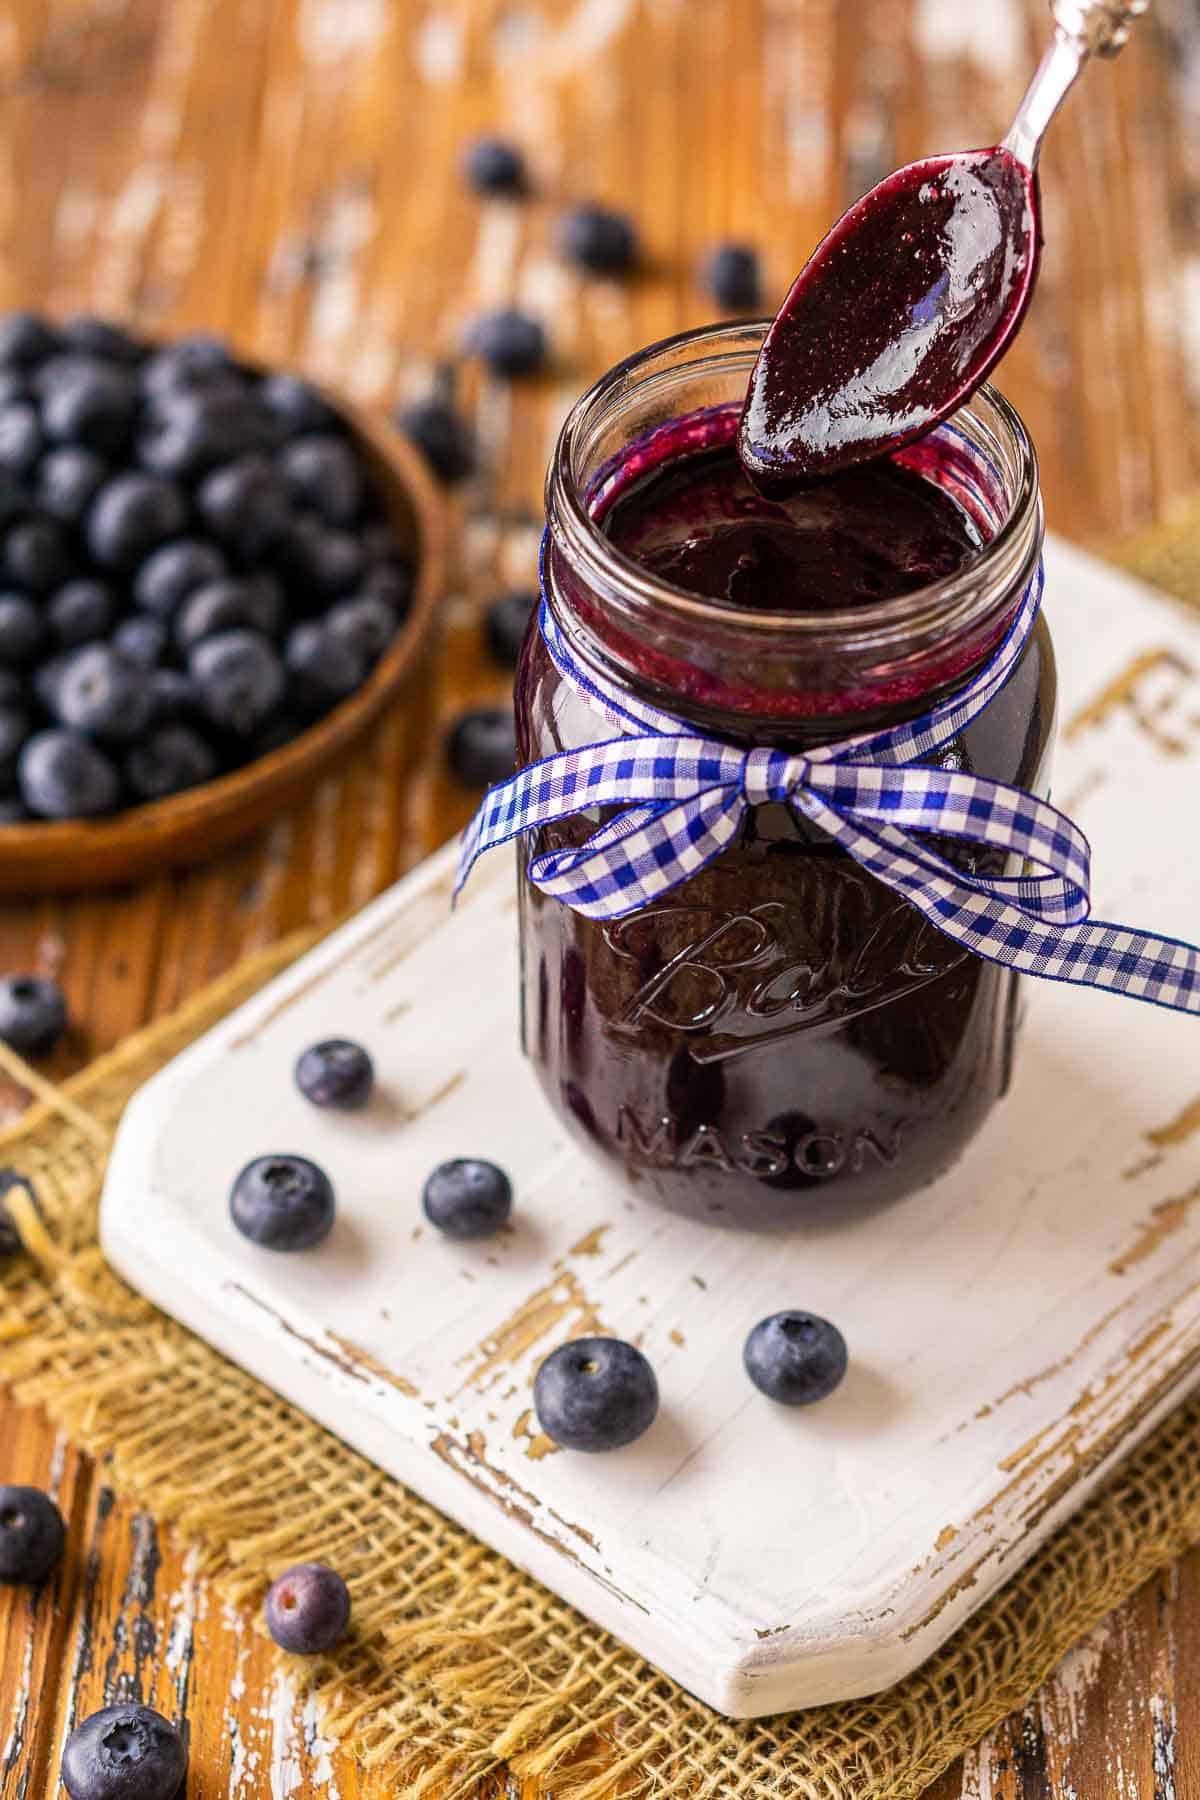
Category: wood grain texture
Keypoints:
(285, 170)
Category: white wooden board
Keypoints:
(1013, 1329)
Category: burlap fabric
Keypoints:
(459, 1664)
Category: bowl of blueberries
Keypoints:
(213, 579)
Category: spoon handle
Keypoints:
(1082, 28)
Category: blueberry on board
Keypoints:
(32, 1535)
(366, 623)
(37, 554)
(795, 1358)
(189, 433)
(131, 516)
(601, 241)
(595, 1394)
(168, 576)
(14, 730)
(482, 746)
(79, 612)
(171, 759)
(283, 1203)
(21, 630)
(25, 340)
(493, 165)
(245, 505)
(20, 437)
(336, 1072)
(255, 602)
(102, 693)
(124, 1753)
(442, 435)
(510, 342)
(86, 401)
(467, 1197)
(100, 337)
(62, 776)
(307, 1609)
(322, 473)
(296, 403)
(239, 680)
(731, 274)
(505, 624)
(322, 666)
(33, 1013)
(68, 480)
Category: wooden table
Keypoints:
(287, 173)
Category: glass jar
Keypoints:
(782, 1030)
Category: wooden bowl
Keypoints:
(77, 854)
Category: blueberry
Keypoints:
(79, 612)
(221, 605)
(296, 404)
(60, 775)
(21, 630)
(194, 362)
(124, 1753)
(10, 1237)
(731, 274)
(322, 473)
(245, 504)
(795, 1358)
(336, 1073)
(279, 730)
(308, 1609)
(25, 339)
(467, 1197)
(494, 166)
(68, 480)
(322, 667)
(32, 1535)
(131, 515)
(505, 624)
(442, 435)
(283, 1202)
(37, 554)
(13, 811)
(12, 688)
(99, 337)
(168, 761)
(14, 730)
(482, 746)
(239, 679)
(392, 583)
(167, 577)
(601, 241)
(189, 433)
(319, 562)
(366, 624)
(141, 640)
(510, 342)
(173, 697)
(102, 693)
(33, 1013)
(595, 1394)
(88, 402)
(20, 437)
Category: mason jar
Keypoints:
(781, 1030)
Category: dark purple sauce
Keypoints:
(896, 318)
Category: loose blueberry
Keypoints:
(603, 242)
(21, 630)
(442, 435)
(505, 624)
(337, 1073)
(131, 516)
(124, 1753)
(731, 274)
(322, 474)
(14, 730)
(25, 340)
(795, 1358)
(88, 402)
(366, 623)
(308, 1609)
(167, 577)
(482, 746)
(33, 1013)
(510, 343)
(102, 693)
(68, 480)
(20, 437)
(239, 679)
(318, 562)
(494, 166)
(595, 1394)
(62, 776)
(79, 613)
(322, 666)
(245, 504)
(37, 555)
(283, 1203)
(100, 337)
(32, 1535)
(296, 404)
(467, 1198)
(167, 762)
(222, 605)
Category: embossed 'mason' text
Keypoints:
(817, 1154)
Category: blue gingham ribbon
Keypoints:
(683, 798)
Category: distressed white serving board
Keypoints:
(1013, 1329)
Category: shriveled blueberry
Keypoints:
(100, 337)
(493, 165)
(318, 562)
(20, 437)
(168, 576)
(102, 693)
(131, 516)
(33, 1013)
(221, 605)
(599, 240)
(79, 612)
(322, 473)
(467, 1197)
(336, 1072)
(595, 1393)
(283, 1202)
(795, 1357)
(37, 554)
(124, 1753)
(296, 403)
(239, 679)
(14, 730)
(192, 362)
(32, 1535)
(442, 435)
(168, 761)
(22, 631)
(307, 1609)
(173, 697)
(68, 480)
(505, 624)
(731, 274)
(322, 666)
(25, 340)
(141, 640)
(482, 745)
(245, 504)
(510, 342)
(366, 623)
(189, 433)
(89, 402)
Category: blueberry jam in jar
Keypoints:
(781, 1031)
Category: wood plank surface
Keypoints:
(286, 170)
